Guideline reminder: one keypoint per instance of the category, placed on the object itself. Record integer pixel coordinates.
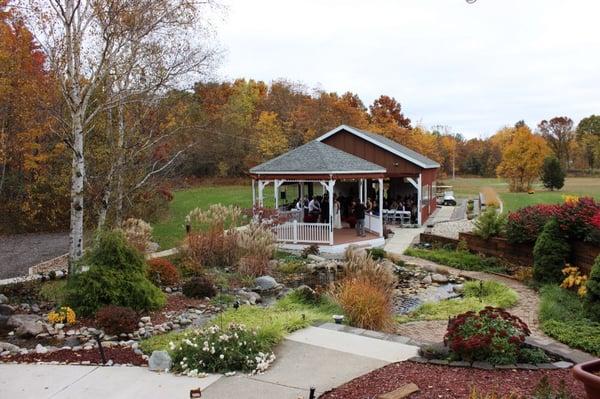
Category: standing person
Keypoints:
(337, 213)
(359, 214)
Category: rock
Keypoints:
(3, 299)
(4, 323)
(40, 349)
(403, 392)
(266, 283)
(6, 310)
(35, 308)
(6, 346)
(439, 278)
(72, 341)
(145, 319)
(306, 293)
(59, 274)
(26, 325)
(59, 326)
(273, 263)
(316, 258)
(459, 288)
(427, 280)
(168, 290)
(159, 361)
(252, 297)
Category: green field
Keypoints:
(169, 232)
(580, 186)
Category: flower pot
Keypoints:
(588, 374)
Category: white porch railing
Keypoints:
(302, 232)
(373, 223)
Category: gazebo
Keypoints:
(317, 163)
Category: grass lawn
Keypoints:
(289, 314)
(458, 259)
(169, 231)
(580, 186)
(562, 318)
(477, 296)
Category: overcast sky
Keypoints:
(472, 67)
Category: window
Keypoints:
(425, 194)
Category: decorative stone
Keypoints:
(438, 361)
(266, 283)
(250, 296)
(427, 280)
(439, 278)
(59, 326)
(72, 341)
(506, 366)
(546, 366)
(459, 364)
(6, 310)
(459, 288)
(35, 308)
(403, 392)
(26, 325)
(168, 290)
(3, 299)
(563, 365)
(159, 361)
(11, 348)
(40, 349)
(526, 366)
(418, 359)
(145, 319)
(483, 365)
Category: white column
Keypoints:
(276, 193)
(381, 206)
(253, 193)
(260, 193)
(419, 196)
(331, 208)
(360, 190)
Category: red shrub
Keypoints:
(525, 224)
(117, 319)
(492, 334)
(575, 217)
(162, 272)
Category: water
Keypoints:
(408, 303)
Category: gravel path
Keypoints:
(19, 252)
(451, 229)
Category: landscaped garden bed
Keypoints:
(444, 382)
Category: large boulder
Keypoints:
(6, 346)
(159, 361)
(26, 325)
(439, 278)
(266, 283)
(249, 296)
(6, 310)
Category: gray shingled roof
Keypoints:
(402, 151)
(316, 157)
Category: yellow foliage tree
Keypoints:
(522, 158)
(271, 138)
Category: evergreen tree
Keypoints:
(553, 175)
(592, 297)
(549, 254)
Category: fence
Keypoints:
(297, 232)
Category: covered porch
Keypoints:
(330, 177)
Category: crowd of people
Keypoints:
(316, 209)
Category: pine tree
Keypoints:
(553, 175)
(592, 297)
(549, 254)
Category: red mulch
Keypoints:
(117, 355)
(443, 382)
(175, 303)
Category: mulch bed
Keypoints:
(117, 355)
(443, 382)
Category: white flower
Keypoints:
(222, 356)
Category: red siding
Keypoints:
(428, 177)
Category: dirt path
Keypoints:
(19, 252)
(526, 309)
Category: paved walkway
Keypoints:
(402, 239)
(322, 357)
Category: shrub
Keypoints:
(376, 253)
(462, 246)
(257, 246)
(525, 224)
(117, 319)
(492, 334)
(574, 280)
(362, 266)
(553, 175)
(216, 217)
(138, 233)
(576, 216)
(64, 314)
(533, 356)
(116, 276)
(549, 254)
(490, 224)
(365, 303)
(199, 287)
(592, 297)
(162, 272)
(458, 259)
(216, 350)
(213, 248)
(53, 291)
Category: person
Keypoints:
(359, 214)
(314, 208)
(325, 210)
(337, 213)
(369, 205)
(300, 204)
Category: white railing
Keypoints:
(373, 223)
(302, 232)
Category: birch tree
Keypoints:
(90, 42)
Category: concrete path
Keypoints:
(402, 239)
(319, 357)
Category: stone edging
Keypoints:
(488, 366)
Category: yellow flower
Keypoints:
(570, 199)
(64, 314)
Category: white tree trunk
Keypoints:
(77, 180)
(119, 165)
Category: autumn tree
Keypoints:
(559, 135)
(522, 158)
(588, 136)
(271, 138)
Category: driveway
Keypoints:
(21, 251)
